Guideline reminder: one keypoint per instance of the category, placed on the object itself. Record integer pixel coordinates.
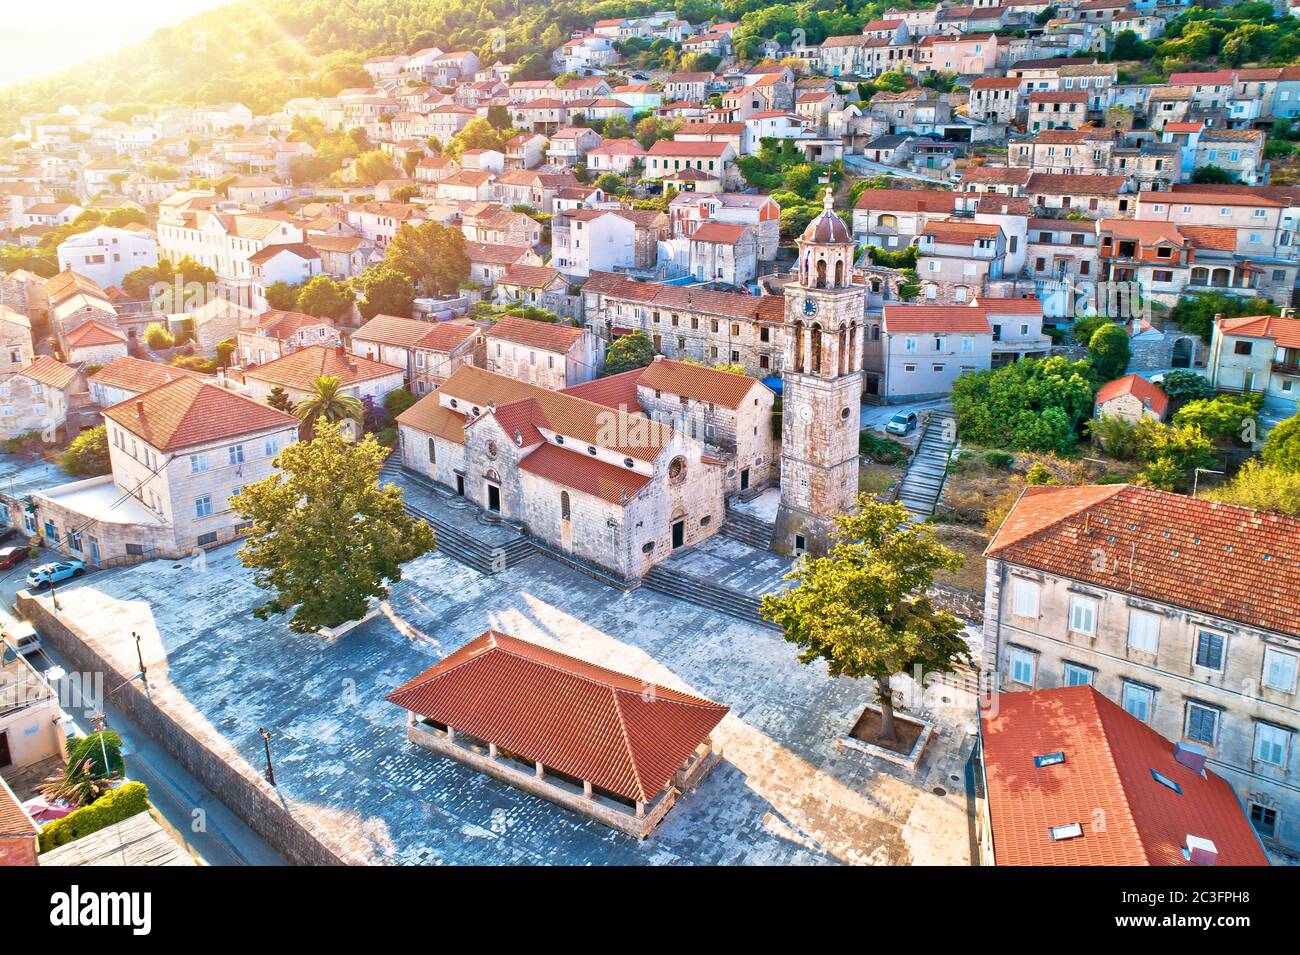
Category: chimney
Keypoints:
(1201, 851)
(1218, 317)
(1191, 756)
(139, 408)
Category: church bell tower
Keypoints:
(822, 387)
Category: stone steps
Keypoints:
(704, 593)
(748, 530)
(923, 483)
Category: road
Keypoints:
(865, 167)
(196, 817)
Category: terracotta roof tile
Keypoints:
(92, 333)
(1150, 394)
(617, 731)
(135, 374)
(300, 369)
(1232, 562)
(547, 336)
(1284, 331)
(1106, 775)
(695, 381)
(958, 319)
(50, 371)
(188, 412)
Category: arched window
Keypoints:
(815, 366)
(887, 222)
(821, 273)
(839, 273)
(798, 346)
(564, 505)
(842, 352)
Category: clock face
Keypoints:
(809, 306)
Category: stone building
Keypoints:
(94, 343)
(15, 340)
(1181, 610)
(1131, 398)
(690, 323)
(552, 355)
(297, 374)
(276, 334)
(178, 453)
(603, 485)
(428, 351)
(36, 397)
(824, 315)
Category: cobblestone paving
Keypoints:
(782, 795)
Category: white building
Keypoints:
(105, 255)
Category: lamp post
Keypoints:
(266, 741)
(1196, 477)
(101, 722)
(144, 673)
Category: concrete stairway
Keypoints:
(747, 529)
(923, 482)
(704, 593)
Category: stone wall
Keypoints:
(165, 716)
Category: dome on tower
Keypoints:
(827, 226)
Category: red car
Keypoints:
(12, 556)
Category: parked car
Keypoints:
(22, 636)
(902, 423)
(46, 574)
(12, 556)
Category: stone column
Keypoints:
(586, 788)
(451, 734)
(492, 750)
(640, 809)
(539, 770)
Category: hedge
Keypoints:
(122, 803)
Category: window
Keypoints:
(1264, 820)
(1209, 651)
(1143, 630)
(1138, 701)
(203, 506)
(1076, 675)
(236, 453)
(198, 463)
(205, 539)
(1083, 615)
(1279, 670)
(1069, 831)
(1202, 723)
(1049, 759)
(272, 447)
(1022, 666)
(1271, 744)
(1166, 782)
(1024, 597)
(1241, 348)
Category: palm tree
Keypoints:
(327, 401)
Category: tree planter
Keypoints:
(909, 759)
(333, 633)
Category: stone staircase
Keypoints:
(455, 542)
(924, 480)
(747, 529)
(704, 593)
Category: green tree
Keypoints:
(1263, 487)
(87, 455)
(1170, 455)
(1195, 312)
(1227, 416)
(324, 297)
(631, 351)
(225, 348)
(397, 401)
(1109, 351)
(282, 296)
(86, 776)
(863, 608)
(478, 133)
(1113, 434)
(384, 291)
(431, 255)
(326, 539)
(1282, 447)
(328, 401)
(374, 166)
(1031, 405)
(279, 400)
(157, 337)
(1216, 175)
(1184, 385)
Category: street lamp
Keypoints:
(1196, 477)
(101, 722)
(266, 741)
(144, 673)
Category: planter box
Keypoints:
(910, 760)
(333, 633)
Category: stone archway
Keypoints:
(1183, 352)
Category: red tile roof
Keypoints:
(612, 391)
(906, 200)
(1073, 185)
(414, 333)
(1150, 394)
(618, 732)
(300, 369)
(695, 381)
(548, 336)
(1284, 331)
(724, 233)
(50, 371)
(92, 333)
(1232, 562)
(936, 318)
(572, 469)
(1104, 784)
(135, 374)
(188, 412)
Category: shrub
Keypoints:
(158, 338)
(122, 803)
(881, 450)
(999, 459)
(87, 456)
(397, 401)
(1039, 474)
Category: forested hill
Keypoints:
(265, 52)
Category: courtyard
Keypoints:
(784, 793)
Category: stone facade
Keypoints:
(824, 312)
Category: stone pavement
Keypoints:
(784, 794)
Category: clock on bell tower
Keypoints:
(822, 386)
